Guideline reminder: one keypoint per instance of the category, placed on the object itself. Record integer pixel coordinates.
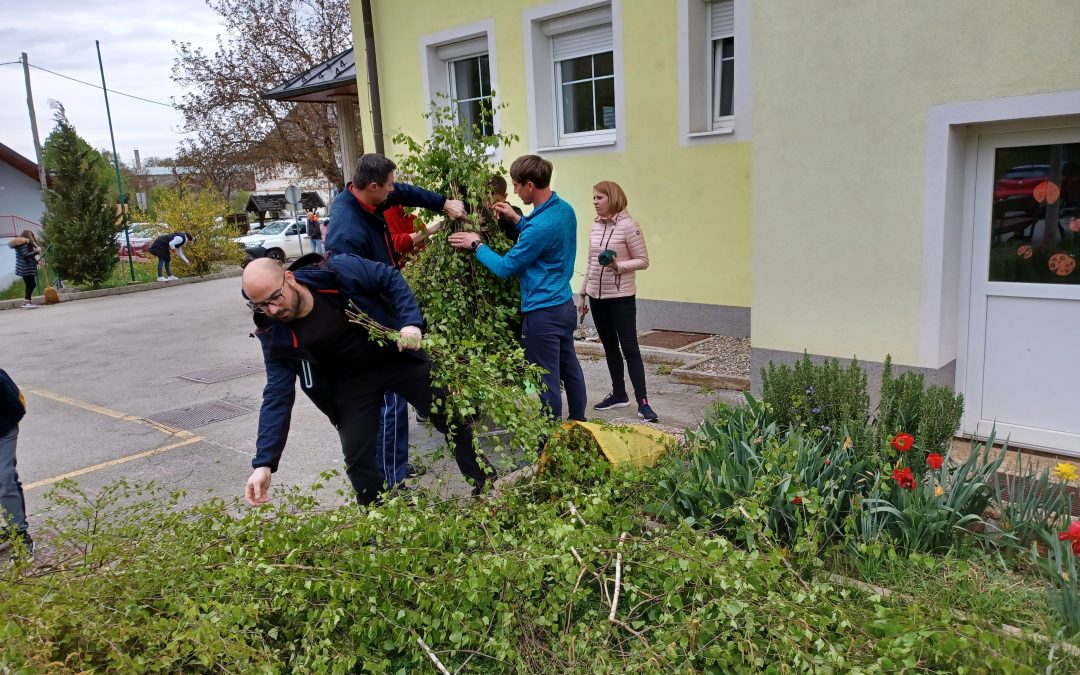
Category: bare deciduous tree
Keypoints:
(267, 42)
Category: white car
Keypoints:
(282, 239)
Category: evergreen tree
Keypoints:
(79, 223)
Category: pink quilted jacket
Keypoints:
(623, 235)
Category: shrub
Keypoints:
(824, 399)
(196, 213)
(513, 584)
(930, 414)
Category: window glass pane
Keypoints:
(485, 76)
(604, 64)
(727, 86)
(576, 69)
(729, 48)
(473, 114)
(605, 103)
(723, 79)
(577, 101)
(1035, 219)
(467, 78)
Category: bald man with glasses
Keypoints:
(301, 322)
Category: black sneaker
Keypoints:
(645, 411)
(24, 552)
(415, 471)
(612, 401)
(480, 489)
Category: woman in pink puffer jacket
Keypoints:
(616, 251)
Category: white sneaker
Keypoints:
(29, 305)
(162, 278)
(172, 278)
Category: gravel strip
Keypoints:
(728, 356)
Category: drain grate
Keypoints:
(200, 415)
(222, 374)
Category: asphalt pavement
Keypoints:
(105, 377)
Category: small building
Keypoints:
(21, 205)
(263, 205)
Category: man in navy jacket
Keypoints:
(360, 228)
(304, 331)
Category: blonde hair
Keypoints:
(614, 193)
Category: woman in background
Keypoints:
(27, 258)
(163, 247)
(616, 251)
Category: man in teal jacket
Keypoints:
(543, 260)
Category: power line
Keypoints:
(91, 84)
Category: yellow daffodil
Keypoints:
(938, 491)
(1065, 471)
(847, 443)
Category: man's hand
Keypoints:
(409, 338)
(454, 208)
(506, 211)
(257, 491)
(463, 239)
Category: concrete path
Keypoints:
(95, 371)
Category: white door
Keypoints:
(1022, 365)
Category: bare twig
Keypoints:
(570, 604)
(576, 556)
(573, 510)
(630, 630)
(431, 655)
(618, 579)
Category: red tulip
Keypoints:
(934, 461)
(904, 478)
(903, 442)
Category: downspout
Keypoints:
(373, 77)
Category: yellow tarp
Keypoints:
(634, 444)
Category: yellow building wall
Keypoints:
(693, 202)
(841, 98)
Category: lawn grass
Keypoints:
(145, 271)
(1000, 589)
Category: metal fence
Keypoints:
(11, 226)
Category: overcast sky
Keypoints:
(136, 47)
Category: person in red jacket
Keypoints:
(404, 233)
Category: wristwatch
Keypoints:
(475, 245)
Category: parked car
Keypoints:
(282, 239)
(142, 236)
(1019, 182)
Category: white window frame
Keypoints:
(544, 86)
(452, 83)
(439, 50)
(699, 85)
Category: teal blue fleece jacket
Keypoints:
(543, 256)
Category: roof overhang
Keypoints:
(324, 83)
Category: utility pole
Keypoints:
(116, 163)
(33, 126)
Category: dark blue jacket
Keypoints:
(376, 289)
(353, 230)
(12, 406)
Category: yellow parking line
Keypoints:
(108, 412)
(113, 462)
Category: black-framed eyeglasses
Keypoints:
(274, 300)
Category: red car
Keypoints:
(1021, 181)
(142, 237)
